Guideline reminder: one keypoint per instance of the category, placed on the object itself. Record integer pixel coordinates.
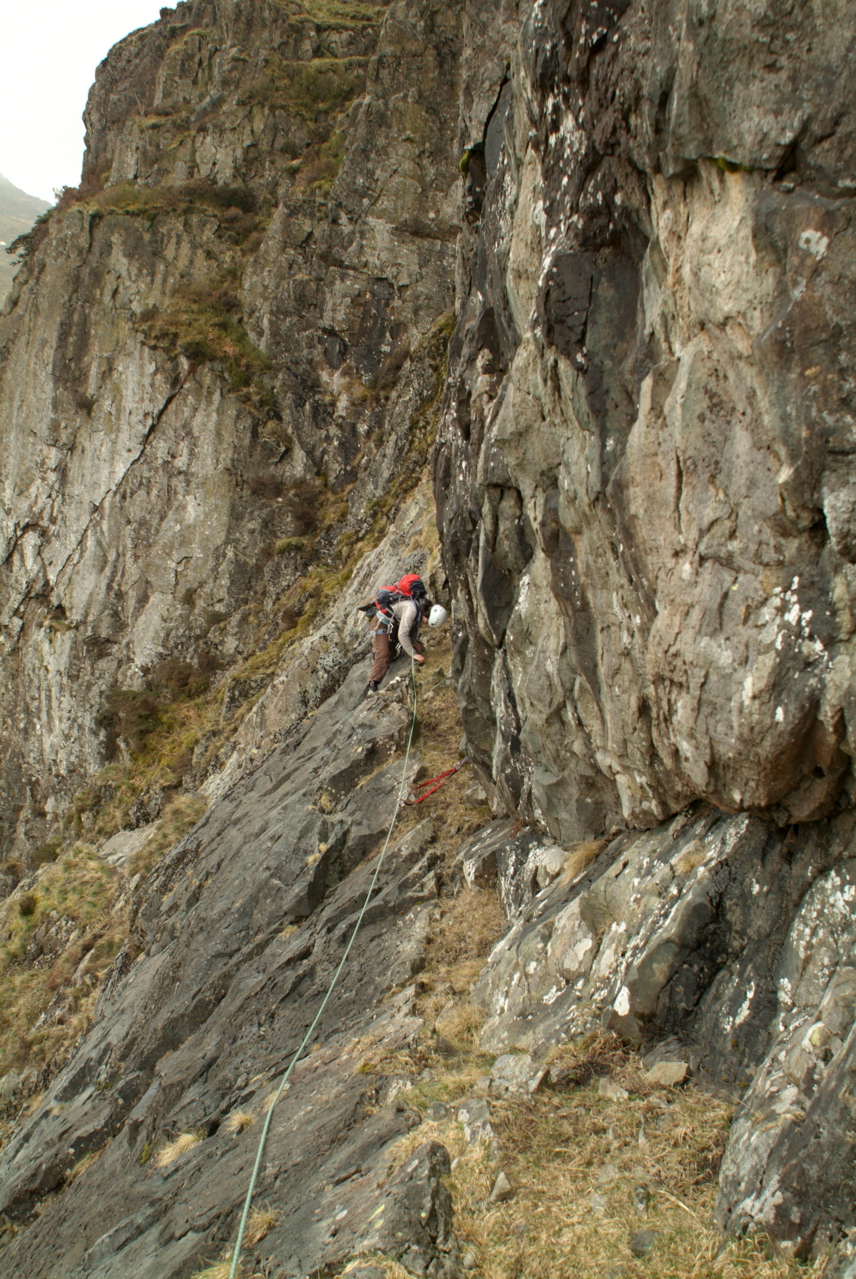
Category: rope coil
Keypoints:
(236, 1256)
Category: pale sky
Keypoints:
(48, 54)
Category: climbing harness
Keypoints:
(236, 1256)
(439, 779)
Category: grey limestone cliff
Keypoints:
(252, 370)
(645, 475)
(604, 251)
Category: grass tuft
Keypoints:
(173, 1150)
(460, 1025)
(219, 1270)
(388, 1266)
(580, 857)
(238, 1121)
(260, 1222)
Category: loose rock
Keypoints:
(667, 1074)
(502, 1190)
(613, 1091)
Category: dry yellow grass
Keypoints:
(219, 1270)
(271, 1099)
(460, 1024)
(689, 859)
(259, 1223)
(238, 1121)
(469, 927)
(388, 1267)
(580, 857)
(176, 1148)
(574, 1160)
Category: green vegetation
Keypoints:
(319, 92)
(729, 166)
(24, 246)
(318, 167)
(68, 926)
(131, 715)
(234, 204)
(201, 322)
(321, 86)
(341, 13)
(287, 545)
(23, 225)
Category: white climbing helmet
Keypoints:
(437, 616)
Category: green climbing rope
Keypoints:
(236, 1256)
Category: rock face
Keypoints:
(233, 941)
(225, 332)
(645, 494)
(645, 485)
(739, 940)
(220, 371)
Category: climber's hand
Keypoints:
(418, 658)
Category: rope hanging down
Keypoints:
(236, 1256)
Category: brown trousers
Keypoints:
(382, 655)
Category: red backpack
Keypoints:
(386, 596)
(406, 584)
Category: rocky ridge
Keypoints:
(645, 219)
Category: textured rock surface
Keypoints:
(737, 940)
(233, 941)
(791, 1152)
(645, 484)
(146, 485)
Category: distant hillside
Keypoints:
(18, 212)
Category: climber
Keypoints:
(396, 622)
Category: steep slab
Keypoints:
(234, 940)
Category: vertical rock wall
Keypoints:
(645, 486)
(646, 491)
